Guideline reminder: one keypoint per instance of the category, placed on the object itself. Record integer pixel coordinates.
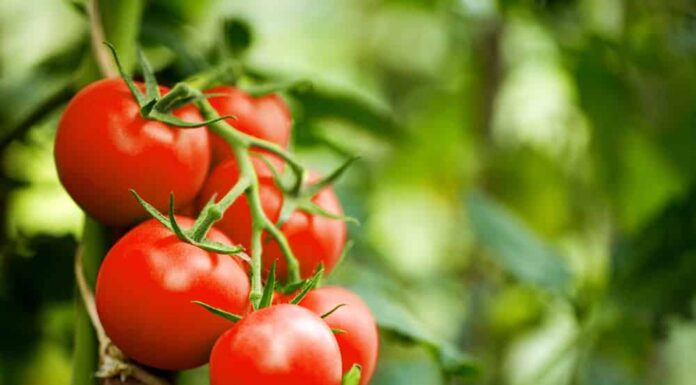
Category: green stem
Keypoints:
(215, 212)
(92, 249)
(240, 144)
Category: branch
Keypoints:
(113, 363)
(103, 58)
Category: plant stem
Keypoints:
(102, 57)
(240, 144)
(215, 212)
(91, 251)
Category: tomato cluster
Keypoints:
(150, 278)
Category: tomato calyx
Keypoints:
(219, 312)
(298, 195)
(352, 377)
(152, 105)
(195, 235)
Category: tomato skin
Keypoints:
(282, 344)
(144, 291)
(266, 117)
(314, 239)
(104, 147)
(360, 343)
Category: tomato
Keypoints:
(360, 342)
(282, 344)
(266, 117)
(144, 291)
(314, 239)
(104, 147)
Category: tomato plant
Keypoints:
(144, 291)
(282, 344)
(104, 147)
(266, 117)
(358, 341)
(313, 238)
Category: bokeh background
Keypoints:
(526, 188)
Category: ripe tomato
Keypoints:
(144, 291)
(314, 239)
(104, 147)
(281, 344)
(360, 343)
(266, 117)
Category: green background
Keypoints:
(526, 188)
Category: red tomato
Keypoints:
(104, 147)
(144, 291)
(314, 239)
(266, 117)
(281, 344)
(360, 343)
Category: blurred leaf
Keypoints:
(397, 320)
(322, 102)
(515, 247)
(238, 35)
(654, 268)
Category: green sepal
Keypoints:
(221, 248)
(175, 225)
(267, 296)
(313, 208)
(328, 313)
(338, 331)
(352, 377)
(309, 284)
(317, 186)
(137, 94)
(152, 92)
(280, 183)
(172, 120)
(291, 287)
(171, 223)
(152, 210)
(219, 312)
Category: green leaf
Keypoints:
(217, 311)
(309, 284)
(352, 377)
(396, 320)
(654, 267)
(515, 247)
(295, 86)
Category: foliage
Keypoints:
(567, 126)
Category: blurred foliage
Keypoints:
(526, 186)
